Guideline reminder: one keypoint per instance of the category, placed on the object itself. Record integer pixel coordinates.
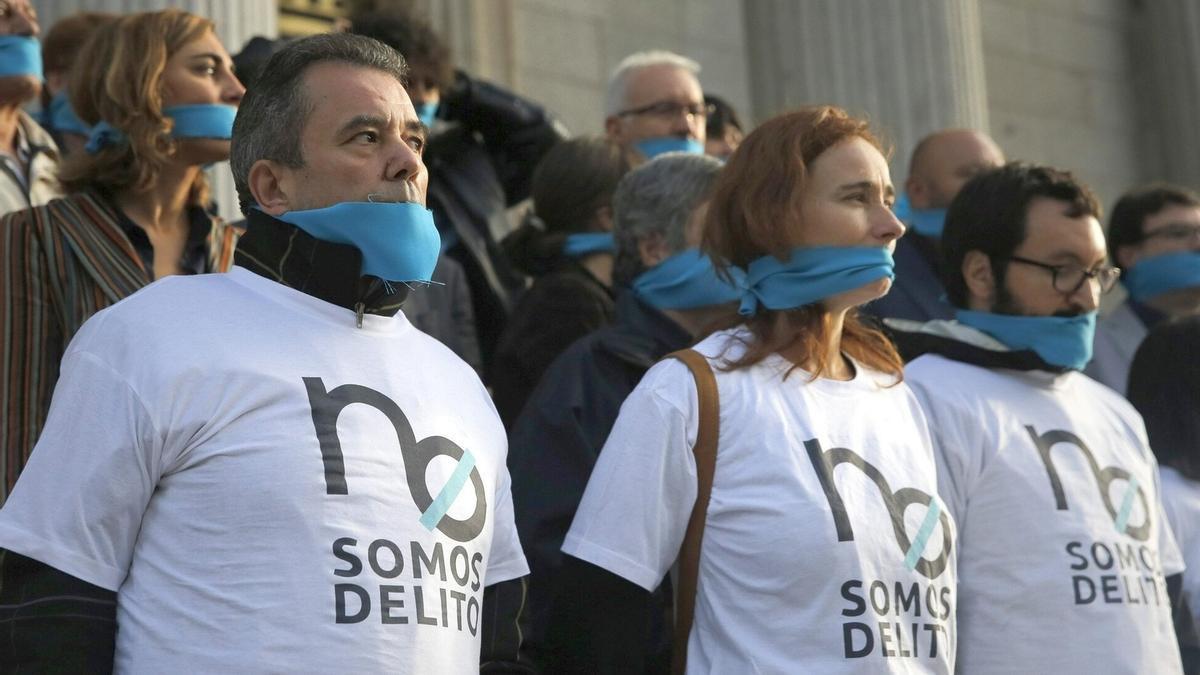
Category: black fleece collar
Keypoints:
(959, 342)
(288, 255)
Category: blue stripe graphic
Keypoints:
(927, 525)
(1127, 505)
(433, 515)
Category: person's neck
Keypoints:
(838, 366)
(599, 265)
(10, 120)
(164, 206)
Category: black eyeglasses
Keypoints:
(1068, 278)
(1176, 232)
(667, 110)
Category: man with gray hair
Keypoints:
(654, 104)
(271, 469)
(668, 295)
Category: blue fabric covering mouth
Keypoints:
(653, 147)
(398, 240)
(62, 118)
(687, 280)
(1060, 341)
(201, 120)
(20, 55)
(927, 222)
(1163, 274)
(586, 243)
(427, 113)
(812, 274)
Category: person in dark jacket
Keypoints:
(658, 210)
(484, 145)
(941, 164)
(723, 128)
(567, 246)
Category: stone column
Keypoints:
(480, 34)
(911, 66)
(1167, 43)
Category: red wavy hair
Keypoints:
(755, 212)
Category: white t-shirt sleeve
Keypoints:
(506, 559)
(79, 502)
(635, 510)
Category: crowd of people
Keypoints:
(462, 393)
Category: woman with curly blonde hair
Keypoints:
(158, 91)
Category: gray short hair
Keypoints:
(616, 98)
(658, 198)
(271, 118)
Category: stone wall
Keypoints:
(564, 50)
(1062, 87)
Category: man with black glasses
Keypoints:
(654, 104)
(1066, 564)
(1154, 236)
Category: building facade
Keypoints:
(1109, 89)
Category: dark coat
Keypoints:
(557, 310)
(443, 311)
(552, 449)
(480, 164)
(917, 291)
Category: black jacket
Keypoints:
(480, 164)
(583, 618)
(561, 307)
(53, 622)
(443, 311)
(917, 292)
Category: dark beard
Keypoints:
(1005, 303)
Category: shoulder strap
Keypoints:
(706, 463)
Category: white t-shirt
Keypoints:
(269, 488)
(1062, 551)
(779, 590)
(1181, 501)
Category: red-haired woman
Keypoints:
(825, 547)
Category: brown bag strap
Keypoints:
(706, 464)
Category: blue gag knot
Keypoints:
(103, 135)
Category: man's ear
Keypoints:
(613, 129)
(266, 184)
(653, 250)
(1127, 256)
(604, 219)
(917, 191)
(981, 283)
